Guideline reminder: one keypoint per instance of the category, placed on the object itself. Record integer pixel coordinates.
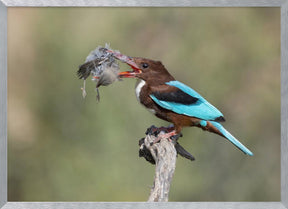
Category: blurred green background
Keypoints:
(66, 148)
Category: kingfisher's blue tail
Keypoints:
(231, 138)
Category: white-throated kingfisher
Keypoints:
(172, 100)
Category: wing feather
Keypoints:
(200, 108)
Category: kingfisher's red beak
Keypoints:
(129, 61)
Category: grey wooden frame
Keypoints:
(283, 4)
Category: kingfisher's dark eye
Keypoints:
(145, 65)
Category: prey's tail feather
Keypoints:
(219, 129)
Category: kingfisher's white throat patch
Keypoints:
(138, 89)
(139, 86)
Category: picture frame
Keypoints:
(5, 4)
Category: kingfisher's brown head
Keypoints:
(145, 69)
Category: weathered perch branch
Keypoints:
(163, 154)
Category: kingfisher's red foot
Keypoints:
(166, 129)
(153, 130)
(172, 136)
(169, 133)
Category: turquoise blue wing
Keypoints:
(200, 109)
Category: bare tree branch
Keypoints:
(164, 154)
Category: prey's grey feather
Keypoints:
(102, 66)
